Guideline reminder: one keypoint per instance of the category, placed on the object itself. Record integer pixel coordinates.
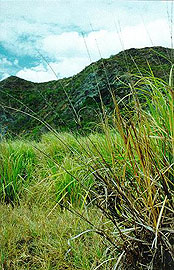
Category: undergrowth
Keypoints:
(126, 172)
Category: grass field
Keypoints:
(34, 229)
(104, 201)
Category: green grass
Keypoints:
(52, 191)
(33, 237)
(17, 161)
(34, 229)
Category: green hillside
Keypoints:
(75, 102)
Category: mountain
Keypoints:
(75, 102)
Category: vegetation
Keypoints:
(34, 228)
(74, 103)
(100, 201)
(136, 192)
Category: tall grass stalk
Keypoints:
(136, 190)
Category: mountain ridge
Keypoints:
(73, 101)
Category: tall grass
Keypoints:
(34, 233)
(127, 172)
(136, 190)
(17, 162)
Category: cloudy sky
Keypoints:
(68, 35)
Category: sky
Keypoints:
(37, 36)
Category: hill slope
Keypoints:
(74, 101)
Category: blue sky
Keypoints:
(54, 29)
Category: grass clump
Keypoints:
(136, 191)
(17, 162)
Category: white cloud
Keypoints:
(7, 66)
(4, 61)
(36, 74)
(104, 43)
(80, 12)
(16, 62)
(24, 24)
(64, 68)
(68, 44)
(4, 76)
(20, 35)
(70, 66)
(155, 33)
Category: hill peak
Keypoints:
(15, 82)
